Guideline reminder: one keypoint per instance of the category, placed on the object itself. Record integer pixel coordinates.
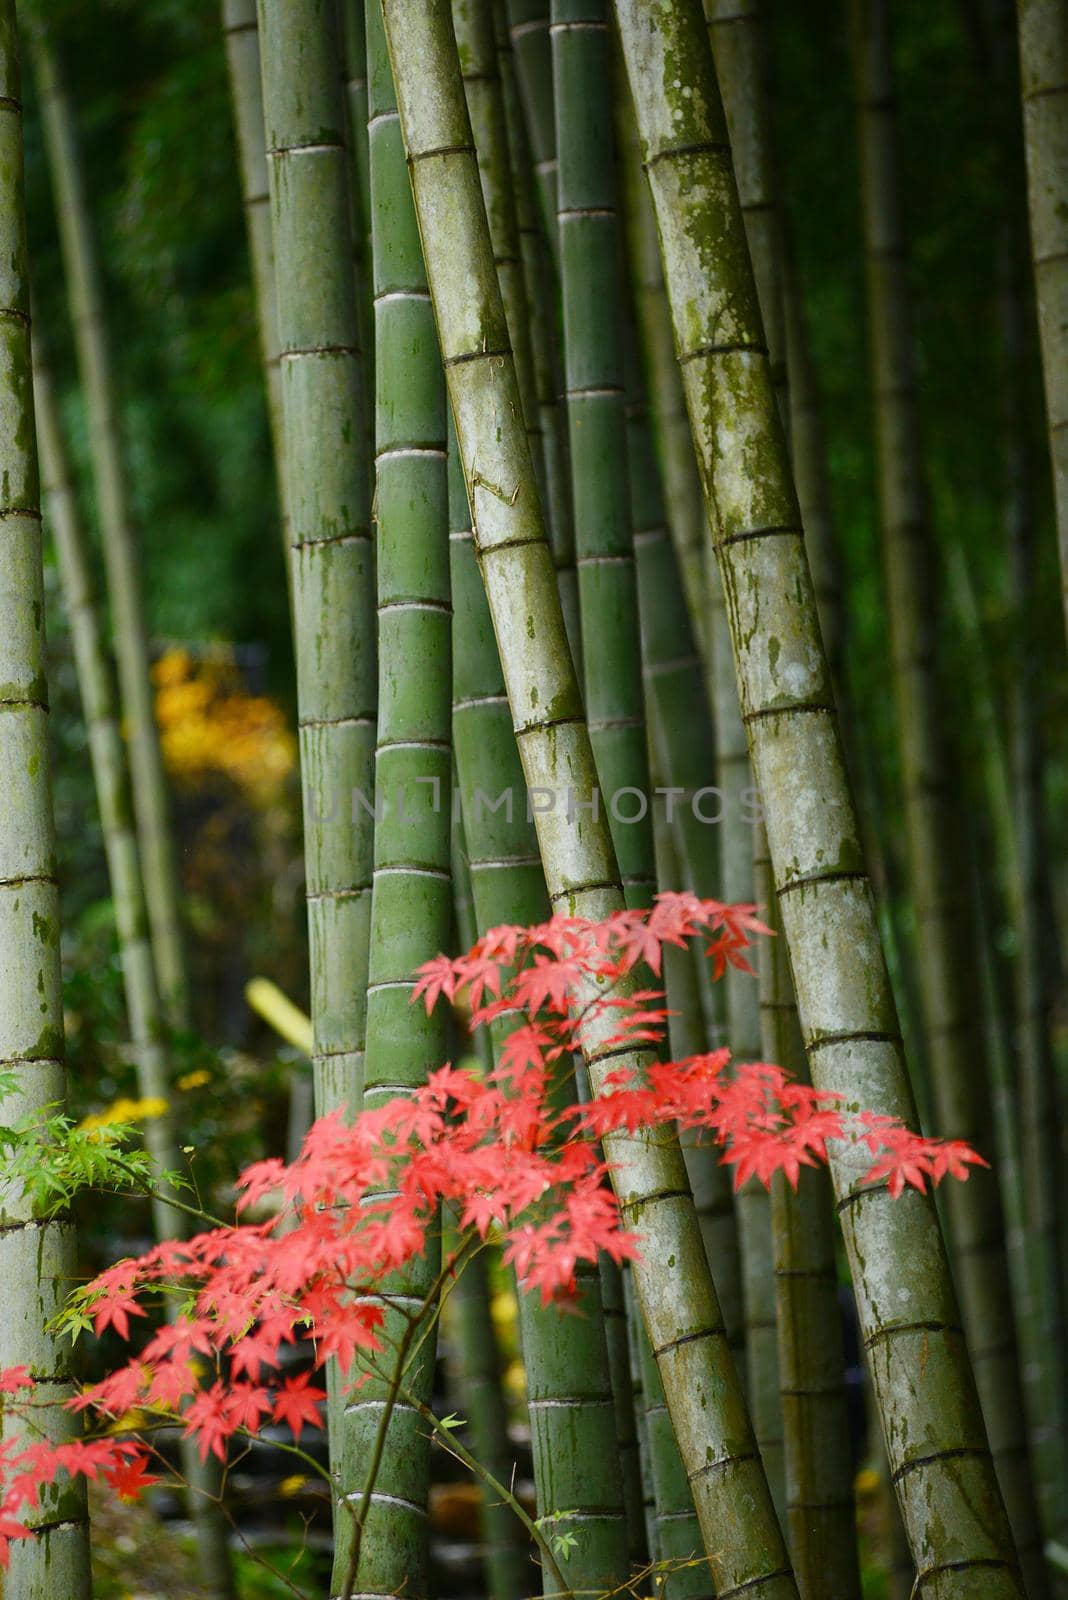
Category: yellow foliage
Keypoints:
(125, 1110)
(208, 724)
(193, 1080)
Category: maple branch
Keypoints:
(462, 1454)
(404, 1350)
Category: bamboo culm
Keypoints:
(246, 92)
(937, 879)
(674, 1287)
(121, 555)
(144, 1012)
(540, 276)
(38, 1257)
(736, 45)
(569, 1390)
(591, 287)
(333, 586)
(940, 1460)
(680, 737)
(412, 900)
(1043, 26)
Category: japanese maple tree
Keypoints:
(519, 1164)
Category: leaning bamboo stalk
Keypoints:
(940, 1459)
(38, 1257)
(1043, 26)
(569, 1388)
(674, 1287)
(411, 906)
(937, 881)
(143, 1009)
(121, 557)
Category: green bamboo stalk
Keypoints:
(38, 1258)
(326, 480)
(737, 49)
(540, 279)
(682, 485)
(475, 1357)
(569, 1387)
(590, 280)
(681, 739)
(684, 1568)
(353, 24)
(637, 1389)
(943, 1473)
(143, 1009)
(476, 43)
(411, 904)
(818, 1470)
(810, 460)
(121, 558)
(593, 374)
(1043, 1241)
(322, 396)
(676, 1534)
(674, 1287)
(528, 26)
(1043, 26)
(951, 1015)
(476, 1374)
(246, 92)
(108, 759)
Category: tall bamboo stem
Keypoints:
(121, 555)
(246, 92)
(681, 739)
(411, 905)
(674, 1287)
(938, 882)
(1044, 1373)
(569, 1387)
(326, 481)
(1043, 28)
(38, 1258)
(111, 782)
(950, 1499)
(540, 277)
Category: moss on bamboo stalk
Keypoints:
(944, 1476)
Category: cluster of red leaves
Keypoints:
(504, 1148)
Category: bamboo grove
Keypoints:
(624, 538)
